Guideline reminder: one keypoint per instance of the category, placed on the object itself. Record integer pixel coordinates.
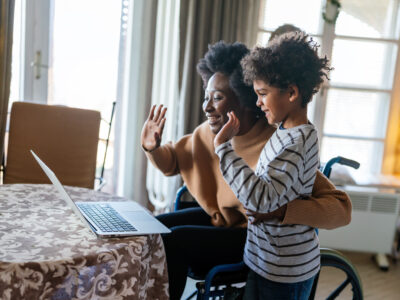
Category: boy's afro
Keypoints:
(289, 59)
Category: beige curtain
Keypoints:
(204, 22)
(6, 36)
(391, 155)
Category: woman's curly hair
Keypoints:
(225, 58)
(291, 58)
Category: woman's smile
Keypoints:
(212, 120)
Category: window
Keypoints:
(84, 59)
(15, 88)
(71, 52)
(351, 111)
(16, 63)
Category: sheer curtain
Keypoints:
(184, 30)
(165, 91)
(132, 110)
(6, 36)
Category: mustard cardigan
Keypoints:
(193, 157)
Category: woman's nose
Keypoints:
(207, 105)
(258, 103)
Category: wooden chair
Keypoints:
(65, 138)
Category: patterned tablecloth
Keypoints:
(47, 253)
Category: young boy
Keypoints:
(283, 259)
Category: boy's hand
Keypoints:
(153, 128)
(230, 129)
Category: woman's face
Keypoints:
(219, 99)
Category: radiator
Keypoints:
(373, 224)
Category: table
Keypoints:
(47, 253)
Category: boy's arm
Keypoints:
(327, 208)
(269, 191)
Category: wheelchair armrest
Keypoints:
(227, 268)
(179, 194)
(179, 204)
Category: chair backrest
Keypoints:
(65, 138)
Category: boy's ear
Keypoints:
(293, 92)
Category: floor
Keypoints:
(376, 284)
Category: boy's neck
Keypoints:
(295, 118)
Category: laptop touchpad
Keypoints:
(137, 217)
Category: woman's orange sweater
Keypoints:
(194, 158)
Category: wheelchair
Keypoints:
(220, 282)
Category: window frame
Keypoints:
(318, 107)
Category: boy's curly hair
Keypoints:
(225, 58)
(291, 58)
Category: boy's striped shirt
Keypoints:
(285, 171)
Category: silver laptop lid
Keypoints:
(53, 178)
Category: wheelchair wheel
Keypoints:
(334, 259)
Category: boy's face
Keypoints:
(274, 102)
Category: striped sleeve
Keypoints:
(275, 185)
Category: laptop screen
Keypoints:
(53, 178)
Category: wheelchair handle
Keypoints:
(348, 162)
(340, 160)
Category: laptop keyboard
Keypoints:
(106, 218)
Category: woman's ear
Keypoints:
(293, 93)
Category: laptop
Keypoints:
(108, 219)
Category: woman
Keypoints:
(215, 233)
